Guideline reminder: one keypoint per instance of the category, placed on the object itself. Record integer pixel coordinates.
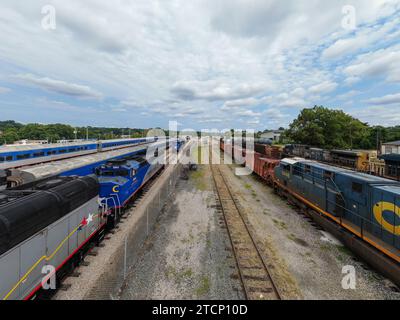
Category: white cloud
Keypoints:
(362, 39)
(247, 113)
(59, 86)
(242, 103)
(388, 99)
(165, 57)
(4, 90)
(382, 63)
(349, 94)
(378, 115)
(215, 90)
(323, 87)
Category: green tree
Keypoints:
(327, 128)
(9, 136)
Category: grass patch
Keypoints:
(178, 276)
(343, 250)
(280, 224)
(247, 186)
(325, 247)
(204, 286)
(198, 179)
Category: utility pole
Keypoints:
(377, 141)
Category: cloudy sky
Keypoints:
(204, 63)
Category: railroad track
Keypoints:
(255, 278)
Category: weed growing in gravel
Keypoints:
(280, 224)
(199, 180)
(343, 250)
(204, 286)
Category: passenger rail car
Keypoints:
(365, 205)
(46, 226)
(79, 166)
(24, 155)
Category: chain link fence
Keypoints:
(136, 227)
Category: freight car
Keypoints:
(50, 224)
(353, 159)
(392, 166)
(365, 205)
(261, 166)
(359, 160)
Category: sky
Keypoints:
(245, 64)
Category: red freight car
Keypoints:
(263, 166)
(272, 152)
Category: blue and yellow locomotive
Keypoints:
(366, 205)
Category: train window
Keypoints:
(286, 168)
(122, 173)
(307, 169)
(23, 156)
(107, 173)
(38, 154)
(62, 151)
(297, 170)
(2, 159)
(9, 158)
(328, 175)
(356, 187)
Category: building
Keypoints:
(391, 147)
(29, 142)
(274, 135)
(391, 156)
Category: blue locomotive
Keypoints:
(366, 205)
(121, 179)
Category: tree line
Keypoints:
(11, 131)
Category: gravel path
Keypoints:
(187, 256)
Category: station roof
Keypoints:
(393, 143)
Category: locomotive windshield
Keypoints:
(114, 173)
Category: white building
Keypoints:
(391, 147)
(274, 135)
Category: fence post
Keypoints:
(125, 253)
